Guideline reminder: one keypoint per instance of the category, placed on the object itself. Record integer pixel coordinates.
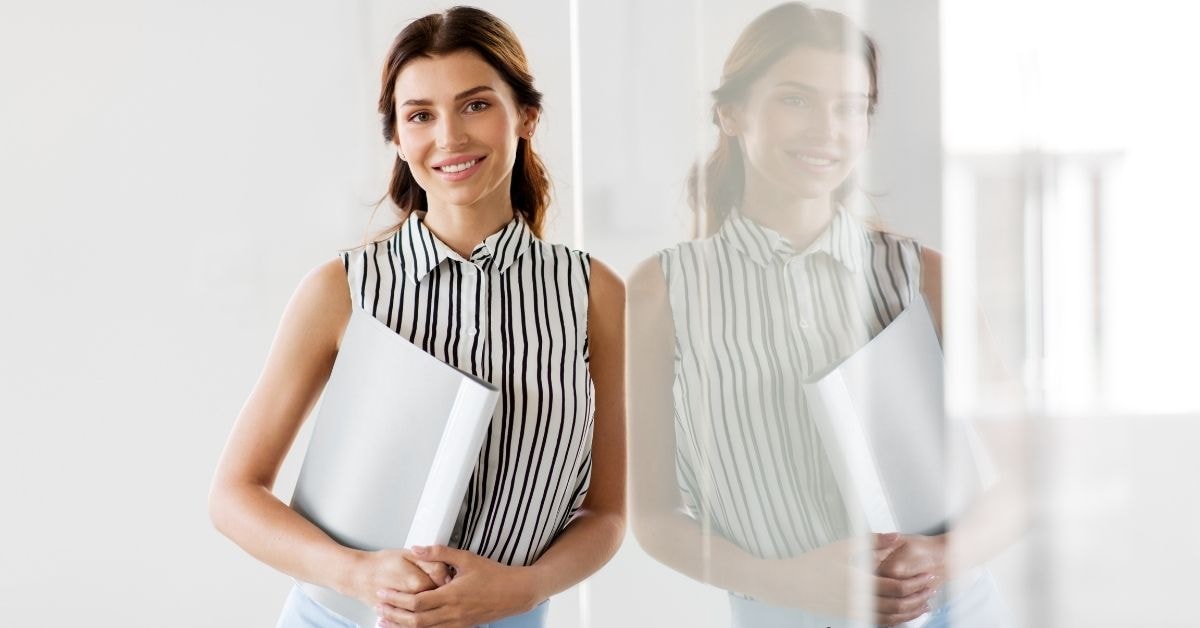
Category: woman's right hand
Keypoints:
(390, 569)
(836, 579)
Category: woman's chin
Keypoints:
(812, 191)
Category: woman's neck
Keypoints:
(462, 227)
(800, 220)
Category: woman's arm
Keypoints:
(483, 590)
(241, 504)
(821, 580)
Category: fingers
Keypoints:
(898, 601)
(902, 564)
(904, 587)
(439, 573)
(883, 545)
(441, 553)
(395, 618)
(412, 602)
(914, 557)
(404, 609)
(407, 577)
(882, 555)
(886, 540)
(395, 600)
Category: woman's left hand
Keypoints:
(481, 591)
(916, 555)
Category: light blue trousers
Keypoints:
(300, 611)
(978, 606)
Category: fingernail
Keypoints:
(381, 593)
(446, 580)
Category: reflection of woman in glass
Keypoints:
(735, 491)
(466, 277)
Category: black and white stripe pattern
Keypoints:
(753, 318)
(514, 314)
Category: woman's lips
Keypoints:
(816, 161)
(458, 169)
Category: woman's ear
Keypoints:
(728, 116)
(400, 150)
(529, 124)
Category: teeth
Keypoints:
(459, 167)
(816, 161)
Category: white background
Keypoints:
(169, 172)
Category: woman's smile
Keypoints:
(458, 168)
(815, 161)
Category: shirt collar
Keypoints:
(843, 240)
(420, 251)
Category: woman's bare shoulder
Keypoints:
(606, 293)
(321, 303)
(647, 283)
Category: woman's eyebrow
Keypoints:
(810, 88)
(424, 102)
(474, 90)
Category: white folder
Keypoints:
(393, 447)
(899, 461)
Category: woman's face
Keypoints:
(457, 125)
(804, 123)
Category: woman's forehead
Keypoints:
(829, 72)
(443, 77)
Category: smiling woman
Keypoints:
(455, 87)
(787, 285)
(466, 277)
(460, 146)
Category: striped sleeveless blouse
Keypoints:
(753, 318)
(515, 315)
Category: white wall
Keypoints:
(169, 173)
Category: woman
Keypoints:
(466, 277)
(787, 284)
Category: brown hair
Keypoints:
(713, 191)
(466, 28)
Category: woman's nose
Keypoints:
(451, 133)
(823, 123)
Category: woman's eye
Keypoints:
(476, 106)
(420, 116)
(795, 101)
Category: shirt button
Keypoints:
(804, 323)
(471, 331)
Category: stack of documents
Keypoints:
(393, 447)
